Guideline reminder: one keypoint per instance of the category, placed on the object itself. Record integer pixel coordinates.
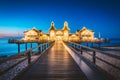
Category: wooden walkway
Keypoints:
(56, 64)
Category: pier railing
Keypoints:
(95, 56)
(28, 56)
(41, 48)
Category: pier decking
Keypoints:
(57, 64)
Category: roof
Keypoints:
(34, 30)
(84, 28)
(66, 28)
(52, 26)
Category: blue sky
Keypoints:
(102, 16)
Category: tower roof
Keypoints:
(66, 26)
(52, 26)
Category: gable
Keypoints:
(86, 32)
(31, 32)
(59, 33)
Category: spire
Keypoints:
(84, 27)
(52, 26)
(52, 23)
(66, 26)
(34, 28)
(65, 23)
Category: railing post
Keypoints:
(29, 57)
(44, 46)
(94, 55)
(71, 45)
(81, 50)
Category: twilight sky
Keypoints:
(102, 16)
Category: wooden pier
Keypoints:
(57, 63)
(65, 60)
(54, 65)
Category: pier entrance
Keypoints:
(59, 38)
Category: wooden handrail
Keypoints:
(29, 51)
(96, 50)
(94, 57)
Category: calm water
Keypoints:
(12, 49)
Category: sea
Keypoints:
(7, 50)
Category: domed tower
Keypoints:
(66, 31)
(52, 31)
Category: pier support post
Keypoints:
(47, 45)
(92, 44)
(94, 60)
(31, 44)
(26, 46)
(18, 47)
(44, 46)
(99, 45)
(87, 44)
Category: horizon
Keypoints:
(97, 15)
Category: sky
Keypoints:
(102, 16)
